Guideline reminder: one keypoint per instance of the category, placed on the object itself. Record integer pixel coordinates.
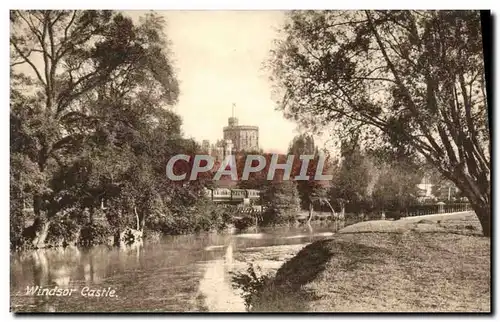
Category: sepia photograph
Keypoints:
(218, 161)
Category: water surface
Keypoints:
(176, 273)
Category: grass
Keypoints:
(436, 264)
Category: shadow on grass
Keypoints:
(288, 291)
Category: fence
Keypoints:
(420, 210)
(244, 209)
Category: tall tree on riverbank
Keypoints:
(414, 80)
(304, 145)
(83, 83)
(396, 187)
(350, 186)
(282, 202)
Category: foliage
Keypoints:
(256, 180)
(251, 283)
(445, 190)
(302, 144)
(309, 190)
(396, 188)
(95, 234)
(244, 223)
(204, 216)
(91, 123)
(410, 81)
(63, 231)
(282, 202)
(351, 188)
(17, 222)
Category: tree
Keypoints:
(411, 80)
(282, 202)
(303, 144)
(86, 87)
(350, 186)
(445, 190)
(396, 187)
(256, 180)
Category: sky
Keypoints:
(219, 56)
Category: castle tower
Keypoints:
(243, 137)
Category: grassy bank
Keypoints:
(428, 265)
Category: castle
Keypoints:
(236, 138)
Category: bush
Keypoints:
(17, 220)
(393, 215)
(244, 222)
(271, 218)
(282, 203)
(251, 283)
(94, 234)
(62, 231)
(203, 217)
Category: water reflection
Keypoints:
(165, 276)
(229, 254)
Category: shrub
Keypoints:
(282, 198)
(17, 220)
(203, 217)
(94, 234)
(393, 215)
(244, 222)
(282, 203)
(62, 231)
(271, 218)
(251, 283)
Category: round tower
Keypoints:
(232, 121)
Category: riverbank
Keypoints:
(438, 263)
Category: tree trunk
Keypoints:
(330, 207)
(40, 228)
(479, 195)
(41, 231)
(91, 215)
(483, 213)
(138, 223)
(310, 212)
(143, 222)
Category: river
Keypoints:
(175, 274)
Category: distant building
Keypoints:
(437, 189)
(244, 137)
(206, 147)
(446, 190)
(222, 149)
(425, 187)
(236, 138)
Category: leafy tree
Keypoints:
(304, 145)
(256, 180)
(411, 80)
(87, 89)
(445, 190)
(350, 186)
(396, 187)
(282, 202)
